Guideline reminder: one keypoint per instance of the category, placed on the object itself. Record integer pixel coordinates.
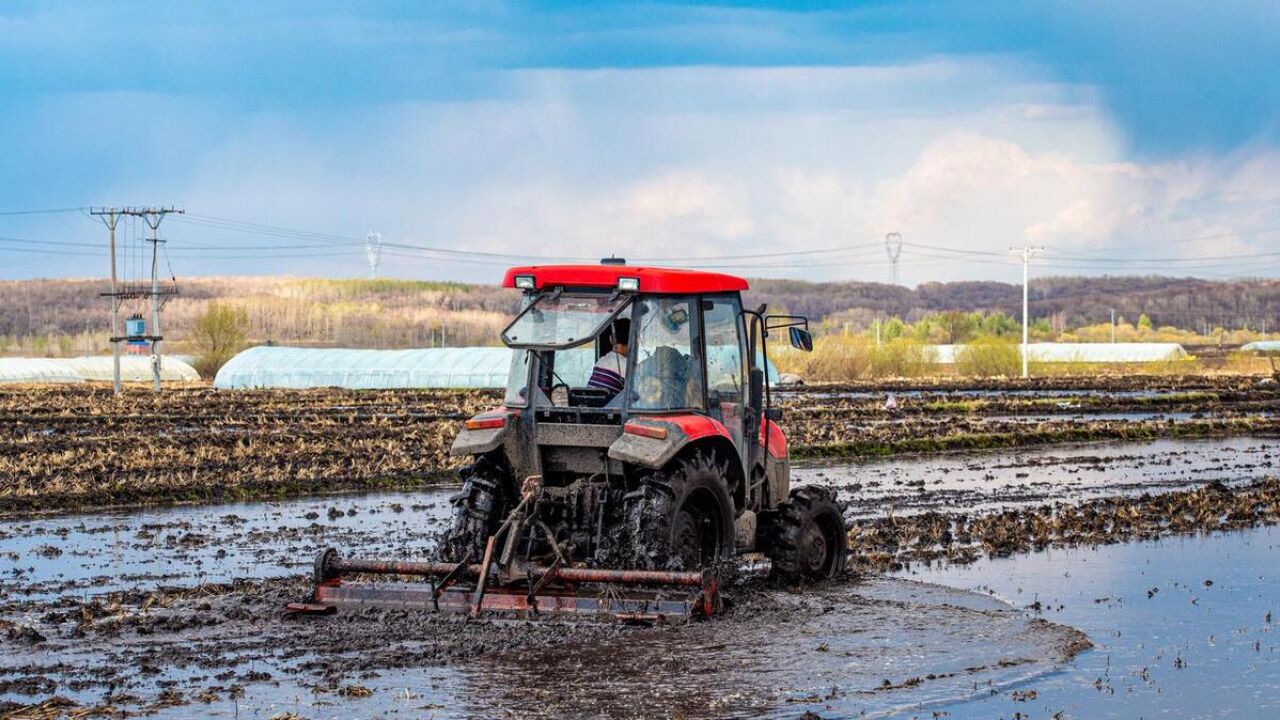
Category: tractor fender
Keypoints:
(777, 441)
(648, 450)
(482, 433)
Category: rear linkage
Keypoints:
(509, 585)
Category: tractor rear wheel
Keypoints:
(477, 512)
(806, 538)
(682, 517)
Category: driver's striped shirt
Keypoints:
(609, 373)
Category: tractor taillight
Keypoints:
(525, 282)
(628, 284)
(487, 422)
(657, 432)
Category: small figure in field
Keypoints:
(891, 404)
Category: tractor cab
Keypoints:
(627, 351)
(598, 345)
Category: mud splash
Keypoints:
(844, 649)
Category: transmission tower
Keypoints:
(154, 291)
(373, 249)
(893, 247)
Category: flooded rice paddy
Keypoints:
(42, 558)
(991, 639)
(1183, 627)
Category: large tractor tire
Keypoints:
(806, 538)
(477, 512)
(681, 518)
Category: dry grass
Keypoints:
(851, 358)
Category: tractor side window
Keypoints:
(573, 366)
(518, 380)
(668, 371)
(722, 324)
(562, 371)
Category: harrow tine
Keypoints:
(536, 587)
(484, 576)
(449, 578)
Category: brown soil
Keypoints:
(80, 447)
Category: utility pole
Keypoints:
(373, 250)
(1027, 251)
(893, 248)
(1113, 325)
(110, 218)
(158, 295)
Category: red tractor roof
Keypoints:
(652, 280)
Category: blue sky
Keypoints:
(1125, 137)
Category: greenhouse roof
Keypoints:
(1082, 352)
(133, 368)
(1267, 346)
(468, 367)
(94, 368)
(36, 370)
(288, 367)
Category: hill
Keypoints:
(68, 317)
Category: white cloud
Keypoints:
(708, 161)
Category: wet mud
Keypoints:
(175, 610)
(79, 448)
(841, 649)
(108, 612)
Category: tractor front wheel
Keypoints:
(682, 517)
(806, 538)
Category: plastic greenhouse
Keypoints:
(133, 368)
(1263, 346)
(1081, 352)
(95, 368)
(36, 370)
(287, 367)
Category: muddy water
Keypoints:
(42, 558)
(978, 481)
(882, 647)
(1184, 627)
(969, 393)
(872, 648)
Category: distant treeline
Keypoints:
(1064, 302)
(63, 317)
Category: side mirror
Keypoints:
(801, 339)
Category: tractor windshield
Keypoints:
(557, 320)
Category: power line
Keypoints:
(9, 213)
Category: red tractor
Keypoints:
(636, 446)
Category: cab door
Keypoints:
(725, 343)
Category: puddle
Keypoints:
(75, 555)
(1007, 478)
(1184, 627)
(1004, 392)
(778, 654)
(45, 557)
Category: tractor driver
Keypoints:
(610, 371)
